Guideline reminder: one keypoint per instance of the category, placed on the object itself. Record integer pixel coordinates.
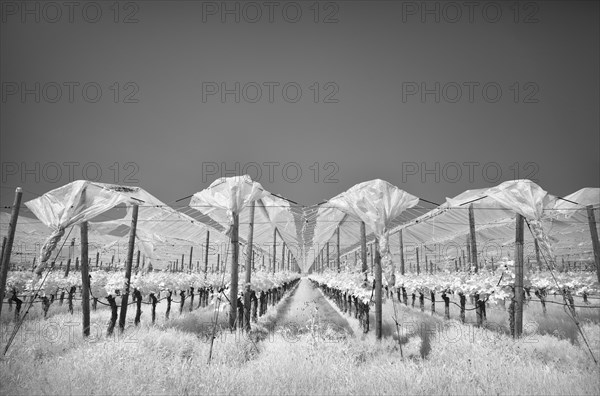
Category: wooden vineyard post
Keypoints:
(401, 251)
(249, 254)
(97, 258)
(537, 254)
(594, 235)
(7, 250)
(125, 298)
(372, 258)
(137, 262)
(321, 267)
(85, 280)
(282, 256)
(363, 248)
(274, 250)
(473, 239)
(518, 311)
(233, 289)
(337, 249)
(190, 264)
(418, 269)
(469, 260)
(463, 303)
(3, 246)
(206, 255)
(378, 296)
(69, 260)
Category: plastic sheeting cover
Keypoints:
(376, 203)
(77, 202)
(226, 196)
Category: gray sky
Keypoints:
(360, 115)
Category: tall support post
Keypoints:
(418, 267)
(233, 288)
(363, 248)
(206, 255)
(124, 300)
(283, 257)
(372, 257)
(378, 294)
(3, 246)
(248, 278)
(469, 260)
(537, 254)
(7, 250)
(85, 279)
(71, 249)
(472, 237)
(518, 312)
(274, 249)
(401, 252)
(594, 235)
(190, 264)
(137, 261)
(322, 262)
(338, 249)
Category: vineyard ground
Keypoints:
(556, 321)
(51, 357)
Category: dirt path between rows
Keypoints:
(307, 306)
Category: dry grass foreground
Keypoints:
(51, 357)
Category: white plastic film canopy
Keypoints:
(527, 199)
(441, 233)
(226, 196)
(374, 202)
(578, 201)
(81, 201)
(559, 225)
(161, 226)
(77, 202)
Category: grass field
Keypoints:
(51, 357)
